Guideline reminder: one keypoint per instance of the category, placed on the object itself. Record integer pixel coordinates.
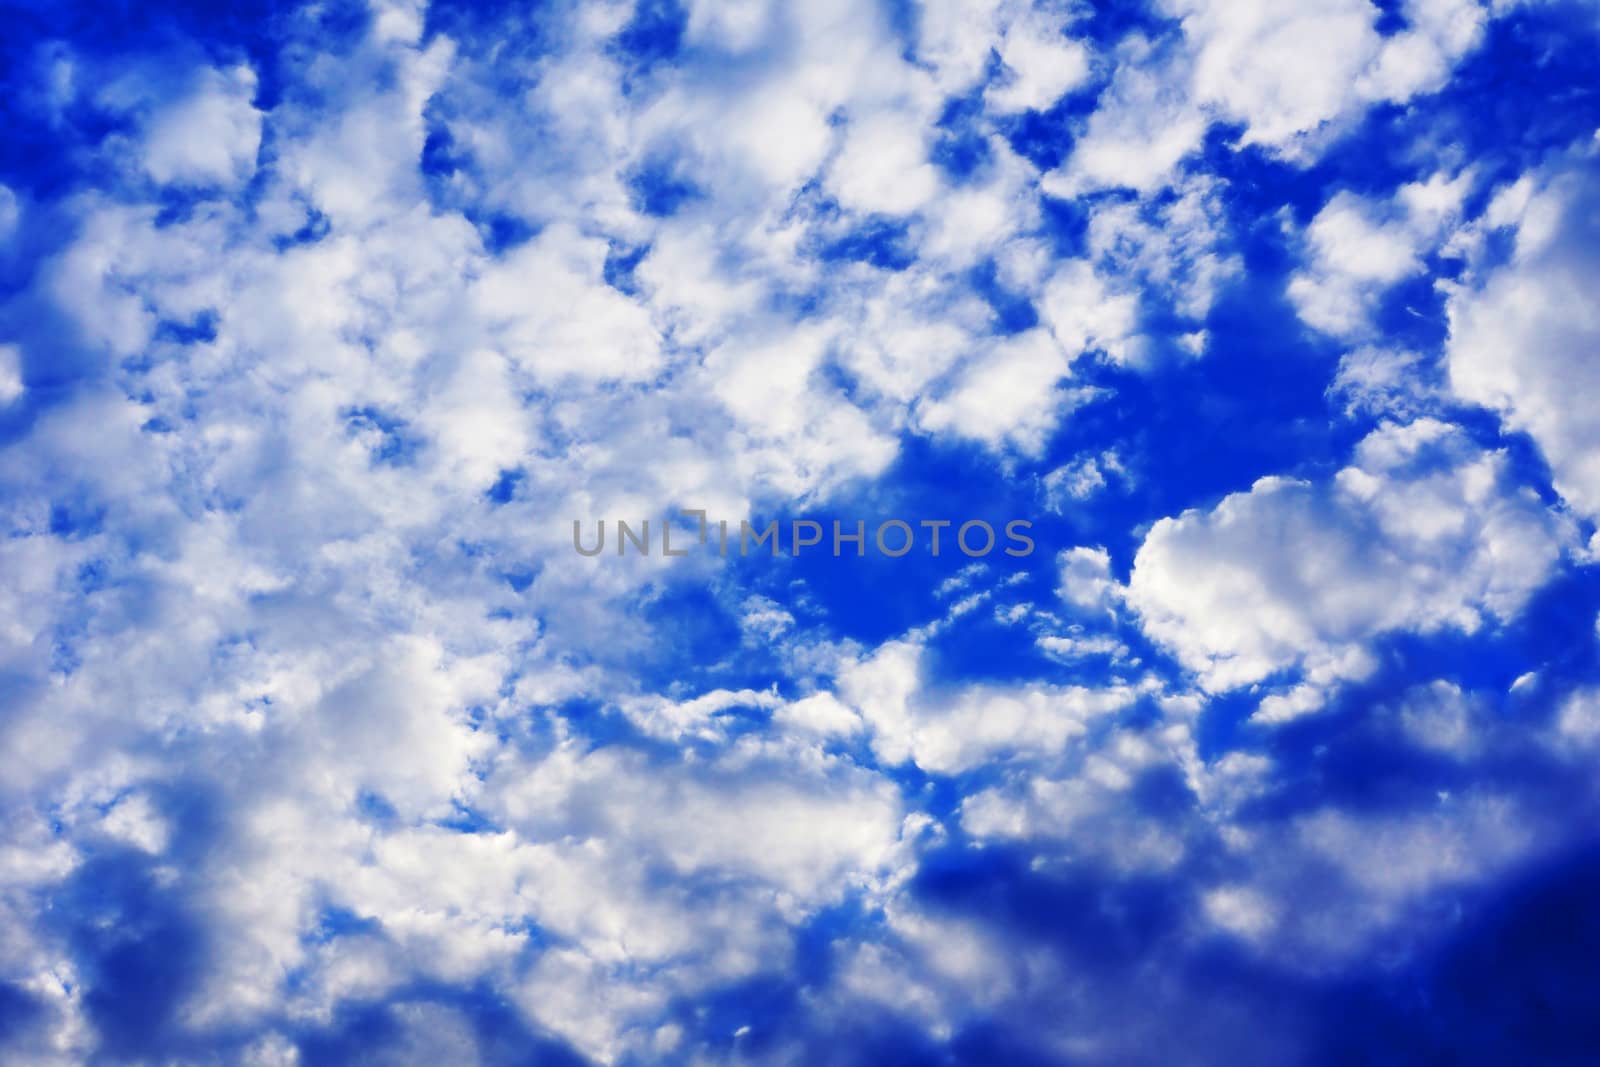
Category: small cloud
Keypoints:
(11, 386)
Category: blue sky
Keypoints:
(320, 324)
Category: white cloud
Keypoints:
(1011, 393)
(287, 600)
(883, 165)
(209, 137)
(794, 433)
(736, 26)
(1578, 718)
(549, 305)
(1286, 72)
(1145, 125)
(1075, 481)
(11, 386)
(1294, 77)
(1397, 854)
(10, 212)
(1523, 334)
(956, 39)
(1042, 65)
(1084, 313)
(1086, 580)
(820, 713)
(1423, 531)
(1353, 256)
(1385, 381)
(1441, 717)
(1356, 249)
(955, 730)
(1240, 911)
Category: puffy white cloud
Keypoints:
(1285, 72)
(1422, 531)
(548, 304)
(820, 713)
(1352, 255)
(1042, 65)
(1086, 578)
(1011, 393)
(210, 136)
(736, 27)
(950, 731)
(358, 161)
(1356, 249)
(266, 634)
(1294, 77)
(1523, 334)
(1145, 125)
(883, 165)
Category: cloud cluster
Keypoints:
(318, 328)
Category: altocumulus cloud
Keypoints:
(320, 323)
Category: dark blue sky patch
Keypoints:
(1515, 983)
(74, 520)
(1198, 429)
(519, 578)
(689, 630)
(502, 232)
(1013, 312)
(1532, 87)
(375, 807)
(440, 155)
(1065, 223)
(1105, 22)
(178, 202)
(1555, 631)
(880, 241)
(1096, 922)
(977, 647)
(746, 1018)
(21, 1013)
(1391, 17)
(661, 189)
(504, 488)
(138, 950)
(960, 148)
(621, 266)
(315, 228)
(393, 443)
(506, 28)
(1045, 138)
(198, 330)
(601, 725)
(654, 34)
(335, 922)
(872, 597)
